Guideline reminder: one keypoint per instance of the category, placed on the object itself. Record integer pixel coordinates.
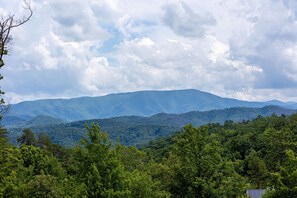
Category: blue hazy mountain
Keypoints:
(142, 103)
(135, 130)
(40, 120)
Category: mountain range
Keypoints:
(135, 118)
(136, 130)
(142, 103)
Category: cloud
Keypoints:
(100, 77)
(199, 63)
(268, 44)
(291, 5)
(184, 21)
(233, 48)
(76, 21)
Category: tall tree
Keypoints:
(200, 170)
(99, 167)
(284, 182)
(7, 23)
(27, 138)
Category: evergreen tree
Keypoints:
(27, 138)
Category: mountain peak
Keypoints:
(140, 103)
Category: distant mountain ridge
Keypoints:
(141, 103)
(135, 130)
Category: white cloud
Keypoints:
(184, 21)
(218, 49)
(145, 42)
(99, 77)
(232, 48)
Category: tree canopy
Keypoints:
(209, 161)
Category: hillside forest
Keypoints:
(210, 161)
(214, 160)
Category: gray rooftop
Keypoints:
(255, 193)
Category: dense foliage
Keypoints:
(215, 160)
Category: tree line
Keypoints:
(209, 161)
(215, 160)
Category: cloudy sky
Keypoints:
(232, 48)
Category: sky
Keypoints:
(232, 48)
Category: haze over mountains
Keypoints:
(142, 103)
(136, 130)
(136, 117)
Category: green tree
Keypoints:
(98, 166)
(27, 138)
(3, 136)
(131, 158)
(200, 170)
(11, 166)
(284, 182)
(46, 186)
(145, 177)
(256, 171)
(11, 172)
(40, 163)
(57, 150)
(277, 141)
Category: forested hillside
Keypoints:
(141, 103)
(135, 130)
(214, 160)
(100, 99)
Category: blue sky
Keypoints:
(232, 48)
